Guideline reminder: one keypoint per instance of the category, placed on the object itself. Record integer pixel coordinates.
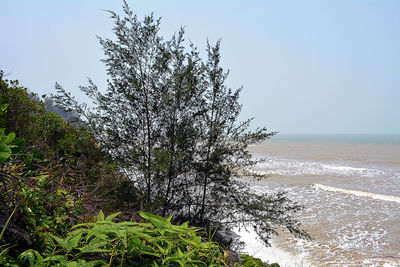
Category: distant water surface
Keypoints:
(341, 138)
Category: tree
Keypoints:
(171, 123)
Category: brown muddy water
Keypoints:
(350, 190)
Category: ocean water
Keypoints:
(349, 187)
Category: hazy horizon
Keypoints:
(390, 139)
(309, 67)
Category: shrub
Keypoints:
(154, 243)
(69, 155)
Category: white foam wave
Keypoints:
(290, 167)
(358, 193)
(344, 168)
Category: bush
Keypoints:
(59, 174)
(155, 243)
(68, 154)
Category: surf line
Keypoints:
(358, 193)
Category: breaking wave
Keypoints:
(358, 193)
(291, 167)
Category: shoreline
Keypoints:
(273, 254)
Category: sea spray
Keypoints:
(272, 254)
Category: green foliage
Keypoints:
(29, 119)
(3, 108)
(69, 155)
(5, 151)
(37, 205)
(249, 261)
(37, 208)
(40, 205)
(48, 210)
(6, 260)
(154, 243)
(8, 143)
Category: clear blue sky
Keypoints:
(307, 67)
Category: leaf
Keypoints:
(95, 245)
(90, 263)
(5, 151)
(58, 239)
(157, 221)
(101, 230)
(150, 254)
(112, 216)
(100, 217)
(42, 179)
(20, 143)
(9, 138)
(73, 242)
(136, 243)
(74, 264)
(30, 255)
(56, 258)
(3, 107)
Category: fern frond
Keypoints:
(112, 216)
(100, 217)
(72, 242)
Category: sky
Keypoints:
(306, 67)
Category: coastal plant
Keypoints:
(156, 242)
(8, 143)
(5, 148)
(69, 155)
(249, 261)
(36, 206)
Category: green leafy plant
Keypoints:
(156, 242)
(3, 108)
(8, 142)
(249, 261)
(47, 210)
(69, 154)
(38, 206)
(5, 151)
(153, 243)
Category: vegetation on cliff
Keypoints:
(164, 140)
(55, 184)
(171, 124)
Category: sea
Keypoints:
(349, 187)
